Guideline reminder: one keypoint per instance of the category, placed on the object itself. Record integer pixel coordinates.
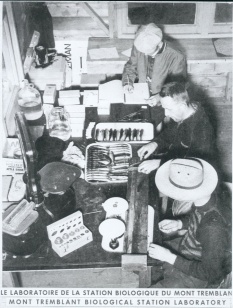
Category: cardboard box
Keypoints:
(49, 94)
(68, 101)
(69, 93)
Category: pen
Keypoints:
(128, 79)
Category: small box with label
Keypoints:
(49, 94)
(69, 234)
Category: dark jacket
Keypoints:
(207, 235)
(167, 64)
(194, 137)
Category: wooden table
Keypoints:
(92, 255)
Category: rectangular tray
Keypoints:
(96, 172)
(146, 128)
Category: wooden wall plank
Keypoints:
(215, 92)
(74, 9)
(209, 80)
(202, 68)
(95, 17)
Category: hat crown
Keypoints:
(147, 38)
(196, 179)
(186, 173)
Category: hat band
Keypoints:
(191, 187)
(186, 188)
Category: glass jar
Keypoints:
(29, 101)
(59, 123)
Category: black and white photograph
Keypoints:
(116, 155)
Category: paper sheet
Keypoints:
(111, 92)
(90, 98)
(127, 52)
(103, 53)
(140, 93)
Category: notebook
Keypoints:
(113, 92)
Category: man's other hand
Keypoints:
(145, 151)
(153, 100)
(149, 165)
(128, 88)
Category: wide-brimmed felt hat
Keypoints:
(147, 38)
(186, 179)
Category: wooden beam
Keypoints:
(95, 16)
(30, 56)
(112, 20)
(11, 279)
(8, 54)
(15, 42)
(229, 88)
(136, 235)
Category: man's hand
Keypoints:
(149, 165)
(161, 253)
(145, 151)
(169, 226)
(128, 88)
(153, 100)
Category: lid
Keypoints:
(112, 228)
(115, 206)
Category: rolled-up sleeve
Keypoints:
(130, 68)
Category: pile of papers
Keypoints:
(49, 99)
(113, 92)
(70, 100)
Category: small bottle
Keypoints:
(59, 123)
(29, 101)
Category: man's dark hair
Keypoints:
(176, 90)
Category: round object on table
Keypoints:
(115, 206)
(112, 228)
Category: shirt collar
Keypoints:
(161, 50)
(208, 205)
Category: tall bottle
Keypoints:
(29, 101)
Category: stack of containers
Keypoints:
(49, 99)
(70, 100)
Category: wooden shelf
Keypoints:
(193, 49)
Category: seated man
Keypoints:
(202, 256)
(189, 133)
(155, 61)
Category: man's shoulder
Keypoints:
(172, 48)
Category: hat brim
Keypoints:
(147, 44)
(168, 189)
